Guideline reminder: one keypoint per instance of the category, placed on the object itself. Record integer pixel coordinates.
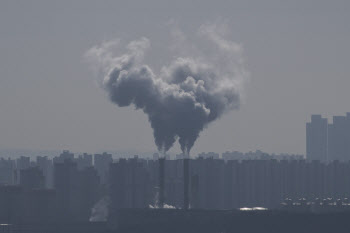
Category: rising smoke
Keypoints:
(99, 211)
(185, 96)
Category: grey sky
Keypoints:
(296, 51)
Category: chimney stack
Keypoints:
(186, 183)
(161, 181)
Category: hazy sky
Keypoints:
(297, 53)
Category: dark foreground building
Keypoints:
(215, 221)
(203, 221)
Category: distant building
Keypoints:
(76, 191)
(65, 183)
(328, 142)
(129, 184)
(32, 178)
(339, 138)
(22, 162)
(259, 155)
(46, 166)
(84, 161)
(155, 156)
(89, 192)
(65, 155)
(102, 163)
(209, 155)
(316, 138)
(174, 182)
(7, 171)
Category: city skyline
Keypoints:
(296, 53)
(232, 182)
(317, 129)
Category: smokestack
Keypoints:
(186, 183)
(161, 182)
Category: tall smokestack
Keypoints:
(161, 181)
(186, 183)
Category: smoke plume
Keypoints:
(185, 96)
(99, 211)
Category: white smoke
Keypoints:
(99, 212)
(185, 97)
(253, 209)
(165, 206)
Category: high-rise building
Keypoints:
(316, 139)
(89, 192)
(22, 162)
(129, 184)
(46, 166)
(101, 163)
(65, 155)
(32, 178)
(339, 138)
(7, 171)
(65, 183)
(84, 161)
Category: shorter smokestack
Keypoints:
(161, 181)
(186, 184)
